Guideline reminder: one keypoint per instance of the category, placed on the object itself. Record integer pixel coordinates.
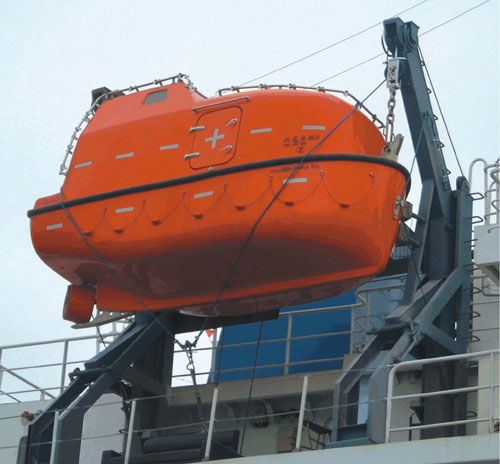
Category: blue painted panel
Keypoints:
(300, 350)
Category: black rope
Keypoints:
(349, 69)
(417, 148)
(417, 272)
(101, 337)
(441, 111)
(257, 348)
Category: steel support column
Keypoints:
(100, 373)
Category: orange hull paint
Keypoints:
(171, 226)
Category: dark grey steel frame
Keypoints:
(433, 318)
(143, 356)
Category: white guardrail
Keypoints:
(362, 322)
(418, 364)
(55, 344)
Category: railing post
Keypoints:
(492, 392)
(211, 424)
(63, 367)
(288, 342)
(1, 369)
(301, 413)
(130, 432)
(388, 409)
(53, 445)
(213, 356)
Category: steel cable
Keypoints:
(345, 39)
(424, 65)
(420, 35)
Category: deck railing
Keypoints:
(491, 355)
(362, 321)
(63, 365)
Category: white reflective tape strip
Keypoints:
(82, 165)
(55, 226)
(203, 194)
(124, 210)
(260, 131)
(313, 127)
(170, 147)
(125, 155)
(296, 180)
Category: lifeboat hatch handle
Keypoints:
(214, 138)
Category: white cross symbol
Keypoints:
(214, 138)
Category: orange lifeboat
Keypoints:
(165, 186)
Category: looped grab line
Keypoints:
(304, 198)
(127, 225)
(241, 206)
(344, 204)
(160, 219)
(199, 214)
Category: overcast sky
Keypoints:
(53, 53)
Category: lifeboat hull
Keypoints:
(180, 242)
(331, 229)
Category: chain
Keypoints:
(393, 85)
(389, 122)
(188, 349)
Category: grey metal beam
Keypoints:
(349, 377)
(40, 431)
(421, 233)
(71, 420)
(463, 259)
(442, 338)
(402, 42)
(405, 312)
(144, 381)
(101, 372)
(70, 424)
(435, 305)
(378, 387)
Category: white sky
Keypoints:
(53, 53)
